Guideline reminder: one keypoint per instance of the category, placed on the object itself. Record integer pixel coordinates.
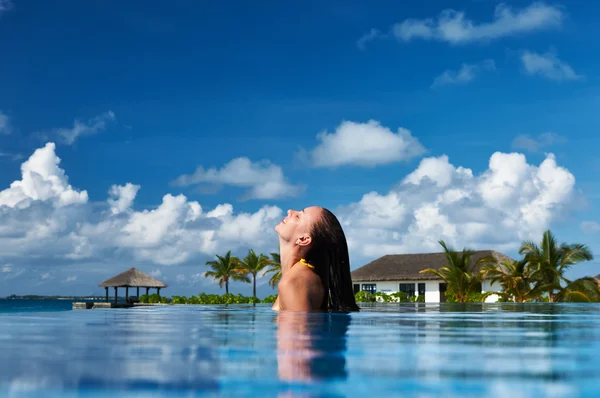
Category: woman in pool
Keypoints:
(315, 265)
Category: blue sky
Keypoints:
(265, 108)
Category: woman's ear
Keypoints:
(304, 240)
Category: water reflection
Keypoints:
(311, 346)
(399, 350)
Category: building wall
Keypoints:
(487, 287)
(432, 289)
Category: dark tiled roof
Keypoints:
(132, 278)
(394, 267)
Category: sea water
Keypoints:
(416, 350)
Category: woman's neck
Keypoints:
(290, 255)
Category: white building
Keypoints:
(400, 273)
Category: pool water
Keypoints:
(416, 350)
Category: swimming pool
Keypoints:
(492, 350)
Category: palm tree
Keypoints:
(460, 279)
(584, 290)
(224, 269)
(550, 261)
(513, 275)
(275, 264)
(252, 264)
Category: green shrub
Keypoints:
(154, 298)
(400, 297)
(269, 299)
(418, 299)
(364, 297)
(144, 298)
(164, 300)
(179, 300)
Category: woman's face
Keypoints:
(296, 226)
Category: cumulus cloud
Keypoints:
(70, 279)
(122, 197)
(264, 179)
(42, 180)
(453, 27)
(79, 129)
(510, 201)
(45, 220)
(535, 144)
(590, 227)
(548, 65)
(4, 123)
(364, 144)
(465, 74)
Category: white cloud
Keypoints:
(453, 27)
(548, 65)
(4, 122)
(43, 219)
(532, 144)
(71, 279)
(42, 180)
(6, 268)
(156, 273)
(92, 126)
(364, 144)
(369, 37)
(122, 197)
(465, 74)
(45, 275)
(590, 227)
(510, 201)
(265, 180)
(5, 5)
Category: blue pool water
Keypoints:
(416, 350)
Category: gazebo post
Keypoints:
(106, 288)
(116, 299)
(138, 292)
(126, 293)
(158, 292)
(147, 291)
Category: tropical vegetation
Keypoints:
(231, 268)
(204, 298)
(538, 276)
(226, 268)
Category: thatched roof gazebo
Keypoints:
(132, 278)
(597, 278)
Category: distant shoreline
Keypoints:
(36, 297)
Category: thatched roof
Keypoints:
(597, 278)
(398, 267)
(132, 278)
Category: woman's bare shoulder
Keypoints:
(300, 290)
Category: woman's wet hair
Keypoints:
(328, 252)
